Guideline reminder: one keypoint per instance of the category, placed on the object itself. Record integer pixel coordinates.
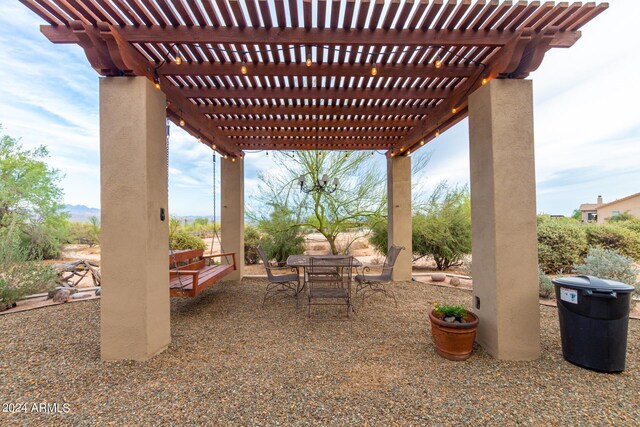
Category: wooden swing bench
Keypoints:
(190, 279)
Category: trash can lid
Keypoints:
(593, 283)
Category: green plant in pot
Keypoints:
(454, 330)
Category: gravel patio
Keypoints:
(233, 363)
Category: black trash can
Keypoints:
(594, 318)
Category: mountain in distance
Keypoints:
(81, 213)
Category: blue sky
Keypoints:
(587, 123)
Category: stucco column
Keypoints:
(134, 308)
(503, 218)
(399, 212)
(232, 220)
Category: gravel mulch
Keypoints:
(233, 363)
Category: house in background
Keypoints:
(600, 211)
(590, 210)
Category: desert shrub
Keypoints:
(616, 237)
(20, 276)
(379, 237)
(633, 225)
(561, 244)
(282, 236)
(87, 233)
(251, 242)
(609, 264)
(181, 239)
(545, 287)
(43, 241)
(443, 228)
(624, 216)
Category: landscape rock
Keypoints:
(438, 277)
(53, 292)
(454, 281)
(81, 295)
(450, 319)
(62, 295)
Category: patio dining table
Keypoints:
(304, 261)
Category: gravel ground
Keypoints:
(233, 363)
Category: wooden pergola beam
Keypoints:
(315, 93)
(290, 123)
(312, 133)
(321, 110)
(321, 70)
(295, 36)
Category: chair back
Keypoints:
(390, 261)
(334, 269)
(265, 261)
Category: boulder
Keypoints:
(52, 292)
(454, 281)
(438, 277)
(81, 295)
(61, 295)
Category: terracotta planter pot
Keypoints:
(454, 341)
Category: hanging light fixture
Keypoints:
(321, 185)
(309, 61)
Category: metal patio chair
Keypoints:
(370, 283)
(329, 278)
(288, 284)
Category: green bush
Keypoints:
(609, 264)
(561, 244)
(251, 242)
(43, 241)
(616, 237)
(379, 237)
(20, 276)
(282, 235)
(545, 286)
(181, 240)
(631, 224)
(443, 228)
(86, 233)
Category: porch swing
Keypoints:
(191, 271)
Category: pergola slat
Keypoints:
(407, 99)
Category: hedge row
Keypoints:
(563, 243)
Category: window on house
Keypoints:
(591, 216)
(615, 213)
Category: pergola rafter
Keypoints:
(233, 68)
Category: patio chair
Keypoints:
(288, 284)
(377, 283)
(329, 278)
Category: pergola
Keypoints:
(298, 75)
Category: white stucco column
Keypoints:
(503, 217)
(232, 220)
(134, 308)
(399, 213)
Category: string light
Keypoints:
(454, 110)
(243, 69)
(156, 83)
(437, 132)
(438, 63)
(309, 61)
(181, 119)
(233, 159)
(374, 69)
(214, 146)
(484, 80)
(178, 60)
(422, 142)
(225, 156)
